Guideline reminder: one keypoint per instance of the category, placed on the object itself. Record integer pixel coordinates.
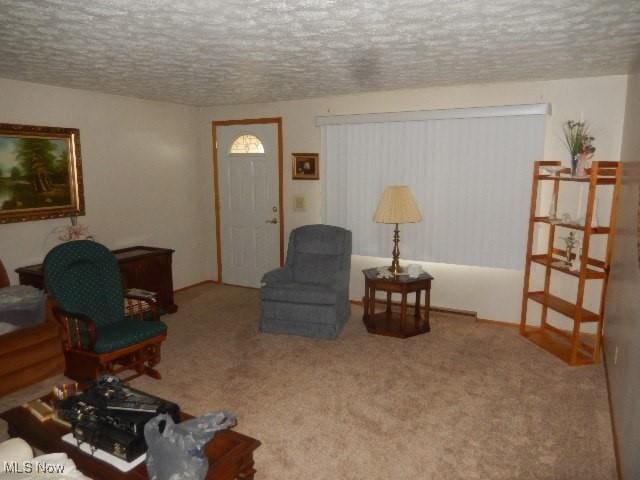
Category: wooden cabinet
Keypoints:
(574, 347)
(148, 268)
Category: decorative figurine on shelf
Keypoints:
(553, 169)
(383, 272)
(584, 162)
(577, 264)
(414, 270)
(580, 145)
(553, 208)
(566, 218)
(570, 242)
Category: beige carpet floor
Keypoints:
(467, 401)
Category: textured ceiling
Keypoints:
(209, 52)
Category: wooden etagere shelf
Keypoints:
(574, 347)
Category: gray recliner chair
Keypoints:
(310, 295)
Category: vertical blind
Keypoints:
(469, 170)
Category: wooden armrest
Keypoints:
(151, 301)
(72, 327)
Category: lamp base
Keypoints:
(396, 270)
(395, 264)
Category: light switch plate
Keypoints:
(299, 203)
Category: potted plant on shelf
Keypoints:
(580, 145)
(570, 242)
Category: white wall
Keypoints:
(148, 170)
(142, 174)
(493, 293)
(622, 329)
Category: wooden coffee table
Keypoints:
(230, 453)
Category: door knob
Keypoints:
(273, 220)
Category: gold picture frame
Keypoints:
(305, 166)
(40, 173)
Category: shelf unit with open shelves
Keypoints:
(575, 347)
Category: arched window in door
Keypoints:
(246, 144)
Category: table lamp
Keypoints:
(397, 205)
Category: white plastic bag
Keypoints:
(176, 451)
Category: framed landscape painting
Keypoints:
(40, 173)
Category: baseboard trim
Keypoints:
(455, 311)
(194, 285)
(614, 432)
(498, 323)
(239, 286)
(212, 282)
(432, 308)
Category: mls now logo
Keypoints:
(33, 467)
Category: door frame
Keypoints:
(216, 190)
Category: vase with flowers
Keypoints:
(580, 145)
(75, 231)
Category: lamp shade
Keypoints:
(397, 205)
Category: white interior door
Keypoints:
(249, 200)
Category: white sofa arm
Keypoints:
(15, 450)
(16, 454)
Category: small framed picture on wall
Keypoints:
(305, 166)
